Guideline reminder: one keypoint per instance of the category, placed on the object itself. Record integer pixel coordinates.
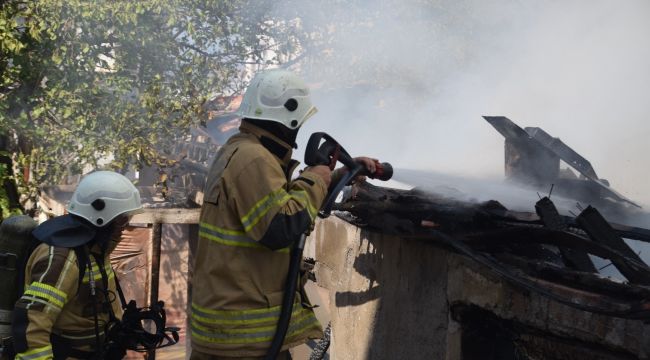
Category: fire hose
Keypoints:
(321, 149)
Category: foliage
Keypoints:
(6, 208)
(86, 81)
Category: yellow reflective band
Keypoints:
(302, 197)
(225, 236)
(231, 237)
(222, 230)
(262, 207)
(48, 292)
(41, 353)
(239, 317)
(301, 323)
(97, 275)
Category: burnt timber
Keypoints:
(535, 159)
(525, 249)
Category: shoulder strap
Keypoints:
(100, 264)
(83, 262)
(33, 243)
(120, 292)
(84, 251)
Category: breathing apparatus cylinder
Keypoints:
(15, 235)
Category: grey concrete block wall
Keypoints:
(601, 336)
(390, 298)
(387, 295)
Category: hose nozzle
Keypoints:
(383, 171)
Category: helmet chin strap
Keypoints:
(104, 236)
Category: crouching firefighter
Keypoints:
(69, 306)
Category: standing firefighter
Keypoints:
(70, 289)
(252, 214)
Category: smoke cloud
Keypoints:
(408, 81)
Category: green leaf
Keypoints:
(67, 112)
(56, 58)
(38, 112)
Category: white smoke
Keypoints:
(416, 77)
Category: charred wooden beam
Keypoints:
(492, 241)
(551, 218)
(579, 279)
(487, 226)
(367, 200)
(600, 231)
(631, 232)
(373, 204)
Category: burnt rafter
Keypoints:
(533, 157)
(551, 218)
(579, 279)
(523, 236)
(543, 252)
(416, 206)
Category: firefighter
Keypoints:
(70, 288)
(252, 213)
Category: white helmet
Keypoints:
(102, 196)
(277, 95)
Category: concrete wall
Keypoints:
(391, 298)
(386, 295)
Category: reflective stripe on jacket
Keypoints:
(238, 283)
(54, 303)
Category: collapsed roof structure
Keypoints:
(533, 157)
(542, 258)
(521, 247)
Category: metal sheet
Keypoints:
(538, 138)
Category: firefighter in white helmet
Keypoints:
(252, 213)
(70, 290)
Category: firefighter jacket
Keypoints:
(238, 281)
(55, 313)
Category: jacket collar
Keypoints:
(272, 143)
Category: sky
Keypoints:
(577, 69)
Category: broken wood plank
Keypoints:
(600, 231)
(167, 216)
(551, 218)
(365, 200)
(579, 279)
(490, 240)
